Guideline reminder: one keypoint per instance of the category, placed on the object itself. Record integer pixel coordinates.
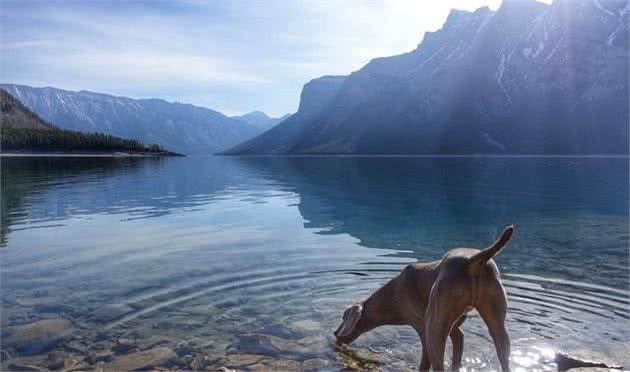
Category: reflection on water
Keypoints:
(249, 262)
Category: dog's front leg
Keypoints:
(418, 325)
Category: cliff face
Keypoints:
(529, 78)
(316, 96)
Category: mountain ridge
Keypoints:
(183, 127)
(528, 78)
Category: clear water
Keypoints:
(222, 256)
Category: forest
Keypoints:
(59, 140)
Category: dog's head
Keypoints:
(351, 325)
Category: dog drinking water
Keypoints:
(434, 298)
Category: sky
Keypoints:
(231, 56)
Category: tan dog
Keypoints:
(434, 298)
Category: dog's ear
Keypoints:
(478, 261)
(350, 319)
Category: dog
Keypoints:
(434, 298)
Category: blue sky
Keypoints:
(232, 56)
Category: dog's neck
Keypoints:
(402, 300)
(381, 308)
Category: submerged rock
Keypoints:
(56, 360)
(38, 336)
(283, 365)
(77, 346)
(34, 301)
(271, 346)
(317, 344)
(56, 308)
(104, 356)
(204, 310)
(566, 362)
(110, 312)
(305, 326)
(142, 360)
(4, 355)
(242, 360)
(124, 345)
(315, 364)
(71, 364)
(199, 363)
(225, 369)
(151, 342)
(23, 367)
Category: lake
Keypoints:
(250, 262)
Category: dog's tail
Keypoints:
(478, 261)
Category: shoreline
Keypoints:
(115, 154)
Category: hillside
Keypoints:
(180, 127)
(529, 78)
(15, 115)
(23, 131)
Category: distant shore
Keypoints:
(115, 154)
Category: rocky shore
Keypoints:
(187, 338)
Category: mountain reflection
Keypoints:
(380, 200)
(49, 189)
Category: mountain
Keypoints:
(13, 114)
(180, 127)
(260, 120)
(529, 78)
(23, 131)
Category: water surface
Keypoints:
(228, 256)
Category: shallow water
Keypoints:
(228, 256)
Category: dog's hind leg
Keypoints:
(457, 338)
(442, 313)
(425, 364)
(493, 314)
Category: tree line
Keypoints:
(59, 140)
